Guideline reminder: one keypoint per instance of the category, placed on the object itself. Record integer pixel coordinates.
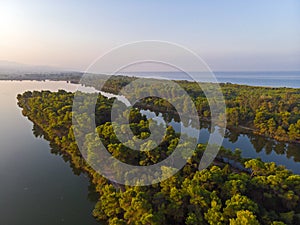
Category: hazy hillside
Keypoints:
(14, 68)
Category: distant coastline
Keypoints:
(276, 79)
(289, 79)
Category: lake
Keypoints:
(39, 187)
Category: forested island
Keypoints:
(257, 193)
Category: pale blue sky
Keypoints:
(228, 35)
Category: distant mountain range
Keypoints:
(14, 68)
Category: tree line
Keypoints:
(270, 112)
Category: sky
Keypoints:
(231, 35)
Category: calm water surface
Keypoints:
(39, 187)
(265, 78)
(252, 146)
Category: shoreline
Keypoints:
(75, 77)
(240, 128)
(227, 162)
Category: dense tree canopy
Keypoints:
(271, 112)
(261, 193)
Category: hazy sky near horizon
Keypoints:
(228, 35)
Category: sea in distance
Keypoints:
(266, 78)
(36, 183)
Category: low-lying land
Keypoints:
(261, 193)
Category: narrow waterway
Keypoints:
(252, 146)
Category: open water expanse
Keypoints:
(39, 187)
(268, 79)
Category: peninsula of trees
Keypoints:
(261, 193)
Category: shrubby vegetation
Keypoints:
(256, 193)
